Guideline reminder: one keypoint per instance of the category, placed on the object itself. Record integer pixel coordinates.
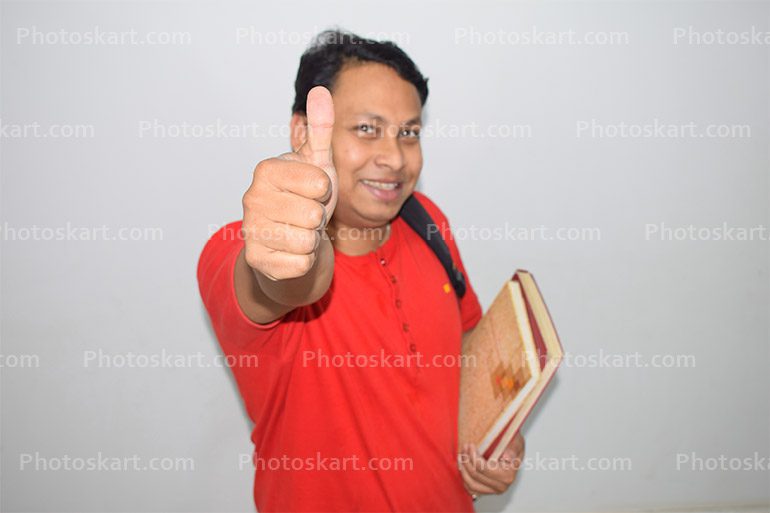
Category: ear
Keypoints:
(298, 126)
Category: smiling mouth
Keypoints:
(383, 186)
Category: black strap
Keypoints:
(420, 221)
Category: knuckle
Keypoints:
(306, 241)
(265, 171)
(263, 168)
(313, 178)
(303, 264)
(252, 198)
(249, 199)
(321, 184)
(297, 242)
(246, 231)
(315, 214)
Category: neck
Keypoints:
(356, 241)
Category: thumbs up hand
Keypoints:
(317, 148)
(292, 198)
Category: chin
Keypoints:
(370, 214)
(380, 212)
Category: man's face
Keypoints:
(375, 143)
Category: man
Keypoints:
(356, 328)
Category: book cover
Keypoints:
(510, 358)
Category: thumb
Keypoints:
(320, 123)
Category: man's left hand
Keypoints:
(482, 476)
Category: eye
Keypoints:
(366, 129)
(412, 133)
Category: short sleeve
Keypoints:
(216, 267)
(470, 308)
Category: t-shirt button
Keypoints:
(382, 261)
(393, 279)
(398, 303)
(412, 347)
(406, 327)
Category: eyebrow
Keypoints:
(415, 120)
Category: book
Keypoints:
(508, 361)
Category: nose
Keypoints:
(389, 151)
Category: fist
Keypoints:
(292, 198)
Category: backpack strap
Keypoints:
(415, 215)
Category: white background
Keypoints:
(619, 295)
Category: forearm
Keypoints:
(306, 289)
(467, 335)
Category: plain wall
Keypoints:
(617, 293)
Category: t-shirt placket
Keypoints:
(410, 345)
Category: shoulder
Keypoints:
(223, 243)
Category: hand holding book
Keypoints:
(512, 354)
(482, 476)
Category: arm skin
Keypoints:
(264, 300)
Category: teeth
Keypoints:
(381, 185)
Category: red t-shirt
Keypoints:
(354, 398)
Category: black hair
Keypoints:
(332, 49)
